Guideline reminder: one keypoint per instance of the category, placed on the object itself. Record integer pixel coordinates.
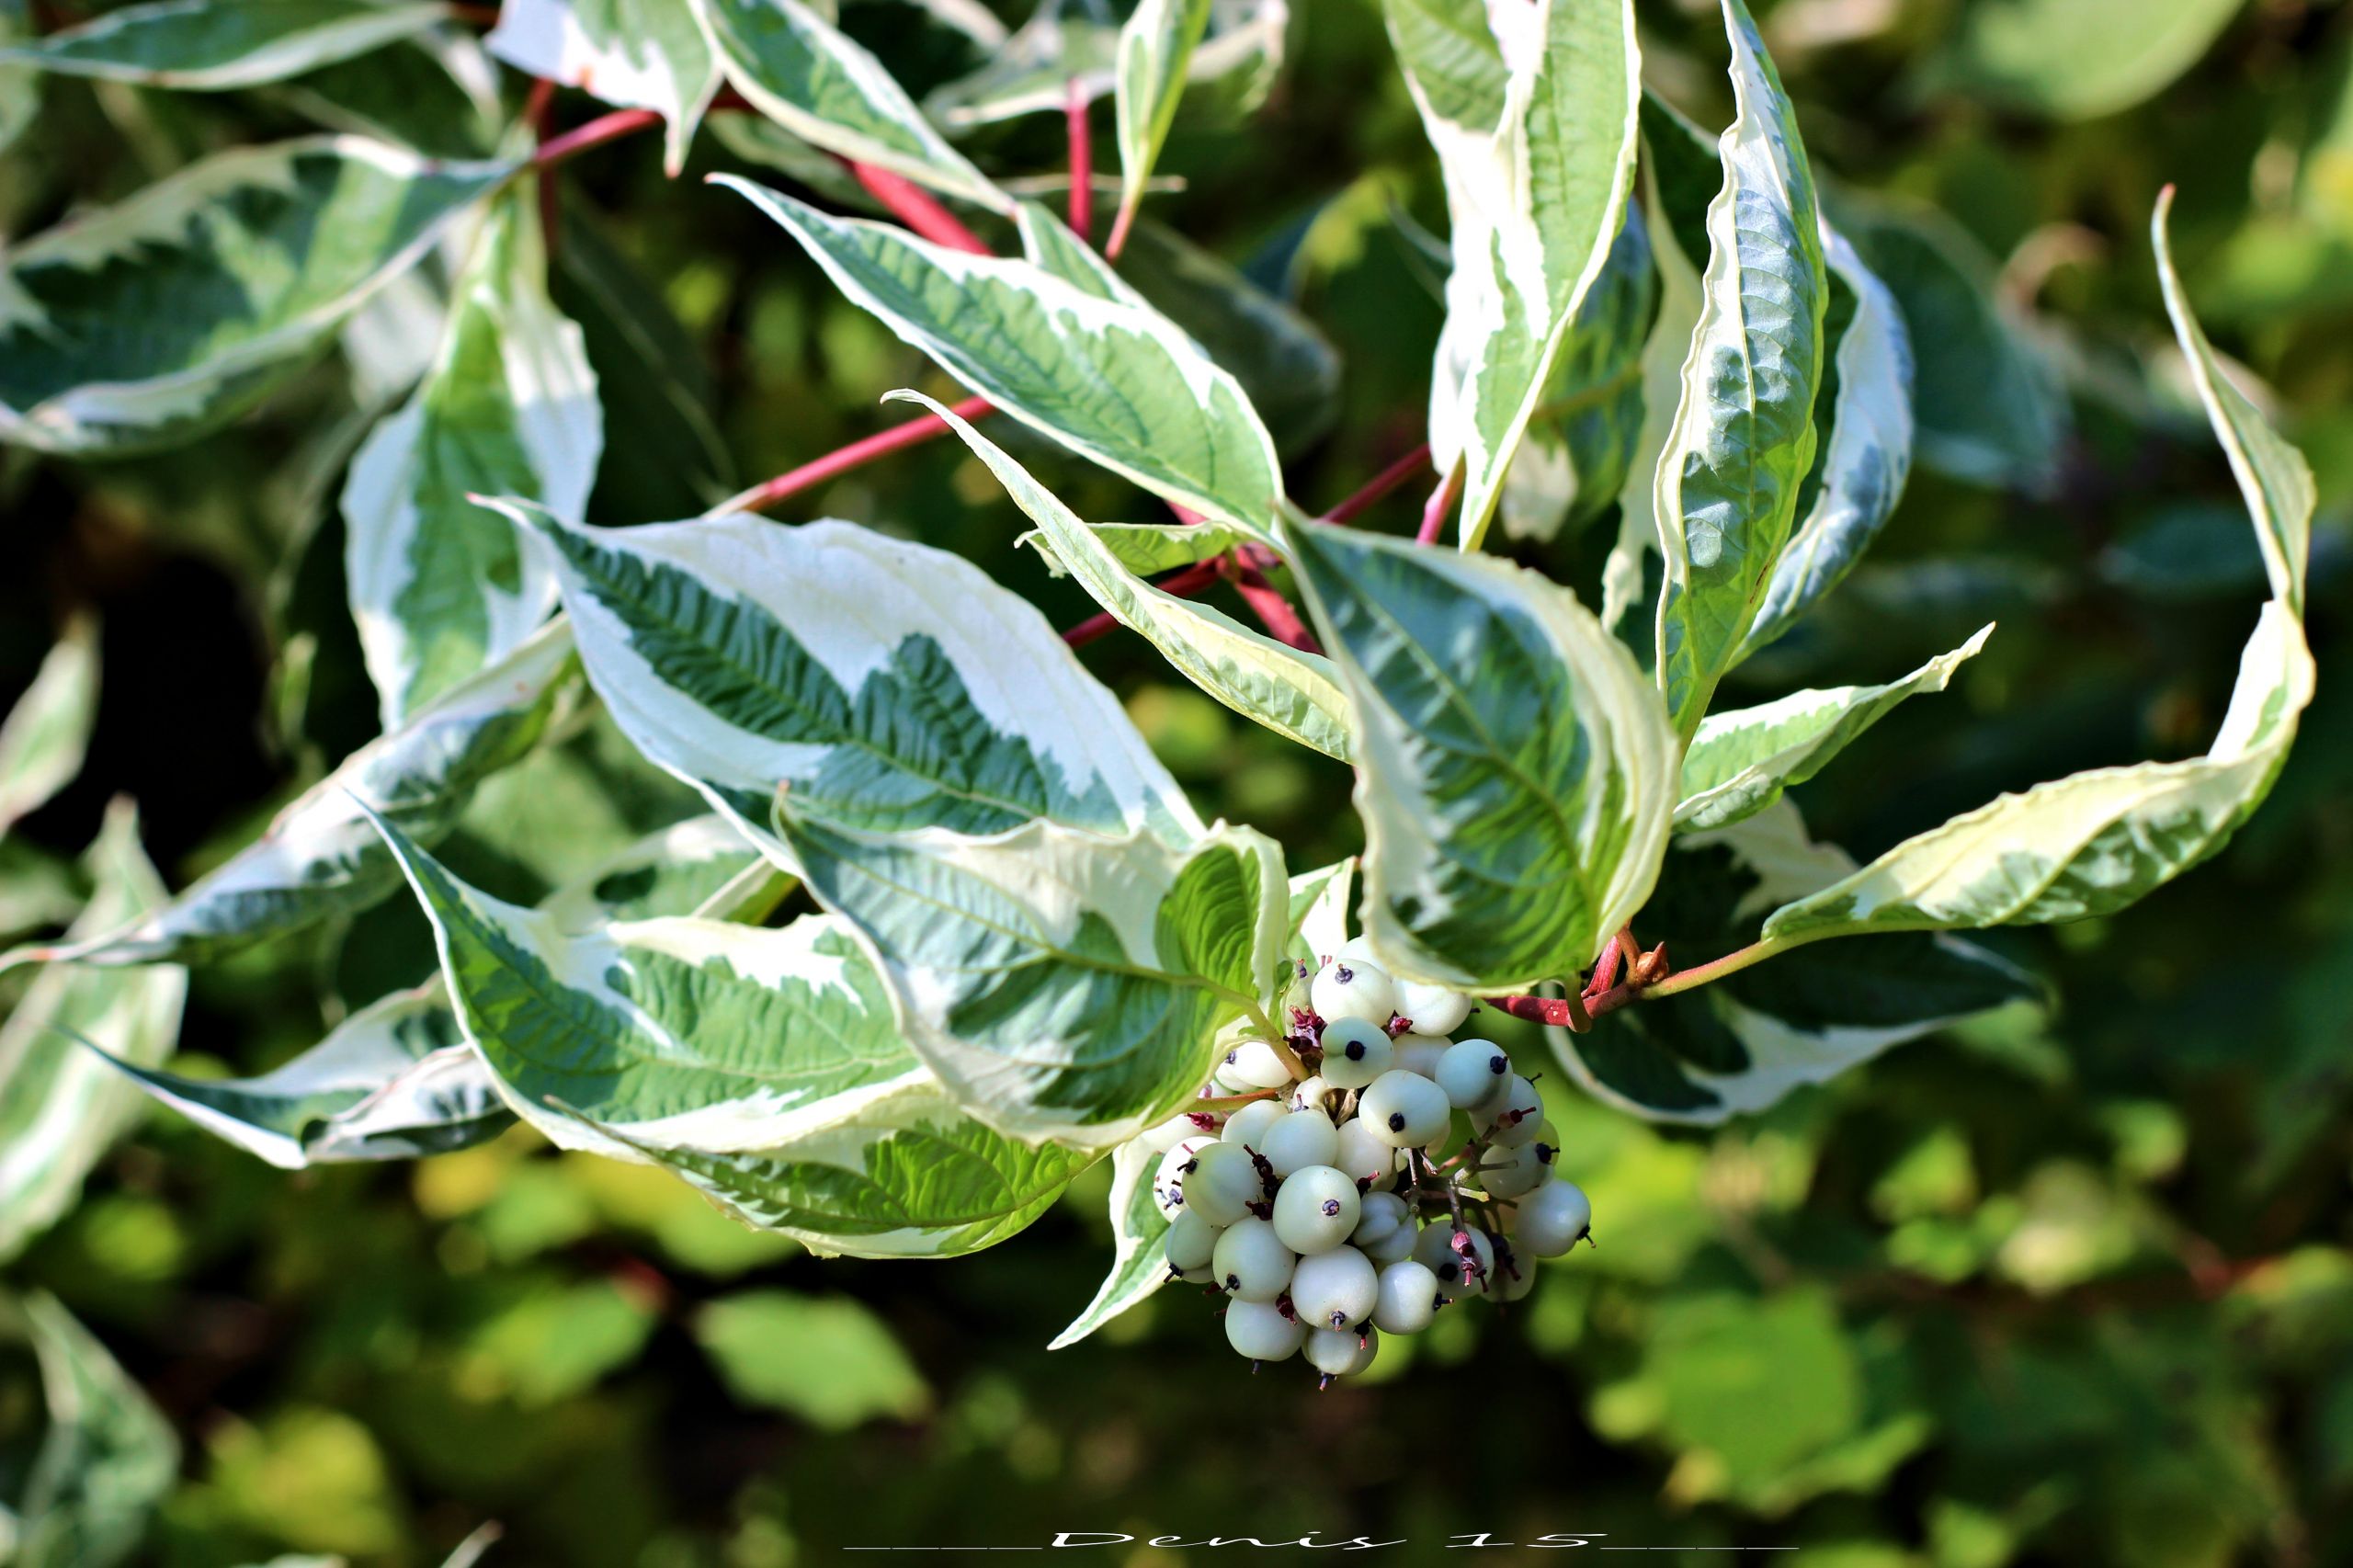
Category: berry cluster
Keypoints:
(1374, 1172)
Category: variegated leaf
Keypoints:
(1111, 379)
(675, 1032)
(239, 244)
(1156, 51)
(1145, 549)
(1743, 1043)
(886, 685)
(19, 84)
(1744, 437)
(1742, 760)
(1295, 694)
(204, 46)
(106, 1458)
(1863, 417)
(804, 73)
(2093, 843)
(1139, 1229)
(1515, 771)
(45, 735)
(1061, 984)
(441, 587)
(1033, 70)
(59, 1106)
(319, 857)
(1319, 910)
(911, 1176)
(638, 53)
(696, 866)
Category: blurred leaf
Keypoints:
(194, 45)
(551, 1342)
(2076, 59)
(649, 54)
(105, 1459)
(45, 735)
(825, 1361)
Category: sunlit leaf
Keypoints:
(1139, 1228)
(203, 46)
(827, 1361)
(638, 53)
(45, 735)
(1156, 51)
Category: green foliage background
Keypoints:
(2073, 1287)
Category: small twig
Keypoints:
(916, 208)
(1441, 501)
(1281, 618)
(1562, 1012)
(915, 432)
(1380, 484)
(595, 133)
(539, 114)
(1082, 161)
(1191, 580)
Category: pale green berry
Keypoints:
(1310, 1093)
(1408, 1298)
(1342, 1352)
(1553, 1218)
(1259, 1330)
(1507, 1172)
(1176, 1166)
(1257, 1065)
(1520, 1117)
(1431, 1009)
(1190, 1245)
(1350, 988)
(1434, 1251)
(1365, 1155)
(1317, 1209)
(1417, 1053)
(1223, 1183)
(1357, 949)
(1394, 1248)
(1248, 1126)
(1475, 1074)
(1381, 1214)
(1515, 1276)
(1250, 1263)
(1166, 1135)
(1299, 1140)
(1405, 1109)
(1335, 1289)
(1355, 1053)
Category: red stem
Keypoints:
(538, 113)
(1605, 973)
(1441, 501)
(595, 133)
(916, 207)
(1082, 162)
(1190, 581)
(914, 433)
(1277, 613)
(1387, 480)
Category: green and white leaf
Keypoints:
(1539, 166)
(1742, 758)
(1579, 448)
(1145, 549)
(20, 97)
(1515, 770)
(1033, 70)
(394, 1081)
(674, 1032)
(1155, 52)
(205, 46)
(2093, 843)
(911, 1176)
(45, 735)
(59, 1106)
(806, 74)
(1863, 417)
(441, 587)
(262, 253)
(319, 857)
(636, 53)
(2072, 60)
(1116, 382)
(885, 685)
(1319, 910)
(105, 1459)
(693, 867)
(1743, 1043)
(1139, 1229)
(1295, 694)
(1744, 437)
(1061, 984)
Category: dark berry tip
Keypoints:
(1396, 1122)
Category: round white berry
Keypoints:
(1405, 1109)
(1418, 1052)
(1520, 1117)
(1364, 1154)
(1507, 1172)
(1222, 1184)
(1515, 1276)
(1248, 1126)
(1431, 1009)
(1475, 1074)
(1309, 1095)
(1250, 1264)
(1355, 1053)
(1257, 1065)
(1553, 1218)
(1335, 1289)
(1382, 1214)
(1317, 1209)
(1302, 1139)
(1259, 1330)
(1356, 950)
(1166, 1135)
(1189, 1245)
(1408, 1298)
(1341, 1352)
(1436, 1252)
(1350, 988)
(1394, 1248)
(1176, 1165)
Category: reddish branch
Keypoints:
(1185, 583)
(1278, 614)
(917, 209)
(594, 133)
(914, 433)
(1441, 501)
(1387, 480)
(1082, 162)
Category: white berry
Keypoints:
(1248, 1126)
(1365, 1155)
(1418, 1052)
(1382, 1214)
(1507, 1172)
(1168, 1181)
(1190, 1244)
(1317, 1209)
(1553, 1218)
(1405, 1109)
(1341, 1352)
(1250, 1264)
(1309, 1095)
(1521, 1117)
(1514, 1278)
(1302, 1139)
(1257, 1065)
(1335, 1289)
(1355, 1053)
(1350, 988)
(1408, 1298)
(1259, 1330)
(1432, 1009)
(1435, 1253)
(1475, 1074)
(1356, 950)
(1222, 1184)
(1169, 1133)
